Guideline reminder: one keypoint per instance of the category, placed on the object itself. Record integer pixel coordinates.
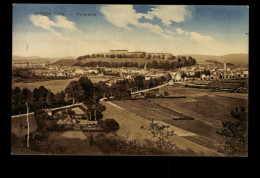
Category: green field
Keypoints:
(207, 109)
(56, 85)
(229, 84)
(131, 122)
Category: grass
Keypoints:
(59, 143)
(208, 108)
(55, 85)
(229, 84)
(17, 121)
(130, 129)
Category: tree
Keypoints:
(110, 125)
(50, 99)
(17, 100)
(236, 133)
(139, 81)
(59, 99)
(149, 56)
(28, 97)
(39, 95)
(87, 87)
(75, 91)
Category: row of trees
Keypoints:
(154, 64)
(123, 89)
(82, 90)
(133, 55)
(107, 64)
(79, 91)
(37, 99)
(171, 65)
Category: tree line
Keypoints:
(42, 98)
(82, 90)
(180, 62)
(133, 55)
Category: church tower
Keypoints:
(225, 65)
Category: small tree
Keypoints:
(162, 134)
(110, 125)
(236, 133)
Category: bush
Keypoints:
(46, 122)
(236, 133)
(110, 125)
(37, 141)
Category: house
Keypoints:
(202, 76)
(128, 77)
(147, 77)
(91, 71)
(101, 74)
(79, 71)
(177, 77)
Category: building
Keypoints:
(225, 65)
(91, 71)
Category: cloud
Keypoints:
(200, 38)
(168, 14)
(194, 36)
(151, 27)
(121, 15)
(125, 15)
(47, 24)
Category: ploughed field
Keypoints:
(207, 109)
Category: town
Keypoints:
(209, 72)
(109, 83)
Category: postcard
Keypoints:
(130, 80)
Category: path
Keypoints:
(149, 89)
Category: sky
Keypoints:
(60, 30)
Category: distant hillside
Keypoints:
(240, 59)
(39, 59)
(64, 62)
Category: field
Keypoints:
(230, 84)
(207, 109)
(130, 129)
(55, 85)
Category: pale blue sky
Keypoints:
(212, 30)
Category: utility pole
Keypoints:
(28, 128)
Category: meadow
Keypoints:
(208, 108)
(55, 85)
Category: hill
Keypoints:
(64, 62)
(240, 59)
(39, 59)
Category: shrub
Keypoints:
(236, 133)
(110, 125)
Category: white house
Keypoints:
(128, 77)
(79, 71)
(202, 76)
(177, 77)
(93, 71)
